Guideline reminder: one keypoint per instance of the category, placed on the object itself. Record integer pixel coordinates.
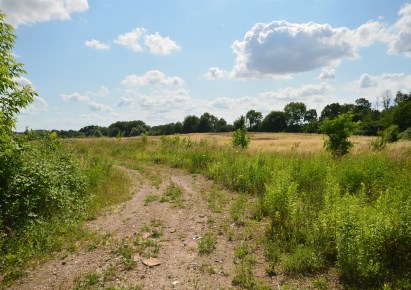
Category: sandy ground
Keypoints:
(181, 265)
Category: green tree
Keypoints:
(190, 124)
(254, 120)
(207, 123)
(274, 122)
(338, 130)
(239, 123)
(294, 114)
(14, 95)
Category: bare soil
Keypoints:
(136, 233)
(182, 228)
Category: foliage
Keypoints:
(406, 134)
(275, 121)
(241, 138)
(294, 114)
(338, 130)
(389, 135)
(207, 244)
(254, 120)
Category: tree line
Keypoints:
(295, 117)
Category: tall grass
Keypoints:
(353, 214)
(47, 190)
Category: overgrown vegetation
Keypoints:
(351, 213)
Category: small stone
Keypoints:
(175, 282)
(146, 235)
(172, 230)
(151, 262)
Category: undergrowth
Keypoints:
(351, 213)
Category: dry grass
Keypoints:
(282, 142)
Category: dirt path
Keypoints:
(153, 224)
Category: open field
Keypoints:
(283, 214)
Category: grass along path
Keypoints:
(194, 245)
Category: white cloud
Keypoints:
(373, 85)
(99, 107)
(154, 78)
(38, 105)
(157, 44)
(131, 39)
(93, 43)
(32, 11)
(101, 92)
(23, 81)
(75, 97)
(125, 102)
(401, 39)
(299, 94)
(216, 73)
(327, 74)
(280, 49)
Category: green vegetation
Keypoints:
(241, 138)
(207, 243)
(350, 213)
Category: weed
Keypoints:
(206, 244)
(237, 210)
(173, 194)
(151, 198)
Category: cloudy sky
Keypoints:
(97, 62)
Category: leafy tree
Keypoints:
(254, 120)
(14, 95)
(310, 115)
(207, 123)
(338, 130)
(331, 111)
(402, 115)
(294, 114)
(402, 97)
(274, 122)
(222, 126)
(190, 124)
(239, 123)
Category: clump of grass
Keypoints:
(126, 252)
(151, 198)
(207, 244)
(173, 194)
(88, 280)
(304, 260)
(238, 209)
(217, 200)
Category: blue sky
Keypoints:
(96, 62)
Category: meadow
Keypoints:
(346, 219)
(351, 214)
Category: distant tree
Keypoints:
(386, 99)
(274, 122)
(402, 97)
(294, 114)
(222, 126)
(362, 104)
(254, 120)
(310, 116)
(190, 124)
(402, 115)
(239, 123)
(178, 128)
(207, 123)
(331, 111)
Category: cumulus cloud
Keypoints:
(281, 49)
(157, 44)
(93, 43)
(103, 91)
(153, 78)
(131, 40)
(299, 94)
(125, 102)
(327, 74)
(39, 105)
(99, 107)
(32, 11)
(401, 39)
(75, 97)
(216, 73)
(373, 85)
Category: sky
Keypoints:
(95, 62)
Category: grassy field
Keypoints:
(350, 214)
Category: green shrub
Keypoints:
(241, 138)
(338, 130)
(303, 260)
(406, 134)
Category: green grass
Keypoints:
(174, 195)
(207, 244)
(351, 213)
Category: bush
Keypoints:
(406, 135)
(338, 130)
(241, 138)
